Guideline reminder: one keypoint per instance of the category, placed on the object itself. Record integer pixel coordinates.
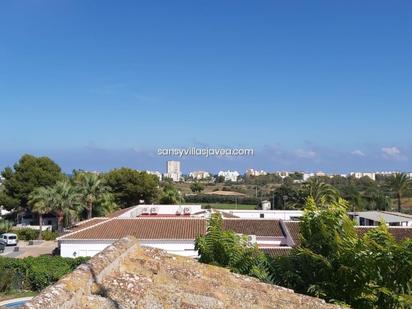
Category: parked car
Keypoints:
(9, 238)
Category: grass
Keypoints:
(229, 206)
(11, 295)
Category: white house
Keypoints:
(176, 235)
(373, 218)
(359, 175)
(264, 214)
(173, 228)
(229, 175)
(199, 175)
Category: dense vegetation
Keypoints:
(34, 273)
(332, 262)
(37, 185)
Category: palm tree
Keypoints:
(66, 203)
(92, 188)
(398, 183)
(41, 201)
(321, 192)
(106, 205)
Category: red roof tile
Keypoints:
(86, 223)
(258, 227)
(399, 233)
(119, 212)
(150, 228)
(278, 251)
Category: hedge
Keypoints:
(213, 199)
(30, 234)
(34, 273)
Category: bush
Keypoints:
(34, 273)
(30, 234)
(213, 199)
(26, 234)
(5, 226)
(49, 235)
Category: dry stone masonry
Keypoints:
(126, 275)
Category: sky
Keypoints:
(309, 85)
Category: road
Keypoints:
(46, 247)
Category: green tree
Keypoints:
(398, 184)
(27, 174)
(225, 248)
(170, 195)
(106, 204)
(41, 201)
(66, 204)
(5, 226)
(334, 263)
(197, 187)
(320, 191)
(130, 186)
(91, 188)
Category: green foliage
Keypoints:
(225, 248)
(5, 226)
(34, 273)
(214, 199)
(26, 234)
(27, 174)
(398, 184)
(130, 186)
(335, 264)
(320, 192)
(263, 179)
(31, 234)
(197, 187)
(92, 188)
(49, 235)
(170, 195)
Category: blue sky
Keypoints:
(314, 85)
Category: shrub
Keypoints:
(49, 235)
(34, 273)
(5, 226)
(212, 199)
(26, 234)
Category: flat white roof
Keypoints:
(388, 217)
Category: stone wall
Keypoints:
(68, 292)
(128, 276)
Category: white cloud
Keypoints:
(393, 153)
(359, 153)
(306, 154)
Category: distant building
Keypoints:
(252, 172)
(283, 174)
(306, 176)
(173, 170)
(156, 173)
(229, 175)
(386, 173)
(374, 218)
(199, 175)
(359, 175)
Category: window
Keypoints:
(262, 215)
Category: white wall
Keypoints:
(82, 247)
(266, 241)
(92, 247)
(161, 210)
(268, 214)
